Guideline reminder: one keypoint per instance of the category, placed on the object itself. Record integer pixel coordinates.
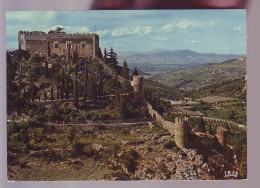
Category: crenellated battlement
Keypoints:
(59, 43)
(56, 35)
(181, 120)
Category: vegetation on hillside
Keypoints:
(163, 91)
(199, 77)
(233, 88)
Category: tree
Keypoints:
(62, 83)
(49, 49)
(76, 94)
(135, 73)
(105, 56)
(52, 95)
(85, 84)
(68, 45)
(125, 71)
(46, 69)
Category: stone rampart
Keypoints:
(179, 129)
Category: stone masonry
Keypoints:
(60, 44)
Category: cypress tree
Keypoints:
(68, 45)
(76, 97)
(46, 69)
(62, 84)
(125, 71)
(49, 49)
(85, 84)
(135, 73)
(105, 56)
(52, 95)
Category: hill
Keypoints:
(233, 88)
(163, 91)
(201, 76)
(171, 59)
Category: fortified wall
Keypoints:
(179, 130)
(60, 44)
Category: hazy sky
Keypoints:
(210, 31)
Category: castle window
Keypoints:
(83, 46)
(56, 45)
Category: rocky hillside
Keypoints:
(196, 78)
(144, 152)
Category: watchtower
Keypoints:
(222, 136)
(137, 84)
(181, 132)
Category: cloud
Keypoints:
(226, 48)
(192, 41)
(83, 29)
(212, 23)
(237, 28)
(103, 33)
(119, 44)
(139, 30)
(186, 24)
(195, 41)
(167, 28)
(161, 38)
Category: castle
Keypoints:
(87, 45)
(59, 43)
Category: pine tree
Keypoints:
(125, 71)
(112, 58)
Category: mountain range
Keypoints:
(171, 59)
(204, 75)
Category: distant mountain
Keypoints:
(172, 58)
(204, 75)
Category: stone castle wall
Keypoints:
(87, 45)
(179, 129)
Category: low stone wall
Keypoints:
(179, 129)
(160, 121)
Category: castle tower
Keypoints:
(222, 136)
(137, 83)
(181, 132)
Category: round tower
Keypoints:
(222, 136)
(181, 132)
(137, 83)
